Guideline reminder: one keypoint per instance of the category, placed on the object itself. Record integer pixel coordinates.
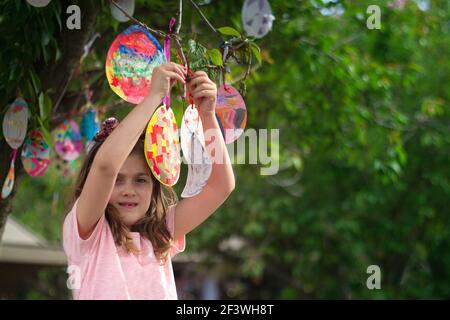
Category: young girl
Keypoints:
(124, 226)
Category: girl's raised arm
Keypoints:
(116, 148)
(191, 212)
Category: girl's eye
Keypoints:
(142, 180)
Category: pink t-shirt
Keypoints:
(100, 270)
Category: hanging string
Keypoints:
(190, 74)
(187, 93)
(172, 21)
(223, 70)
(182, 93)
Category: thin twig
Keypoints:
(175, 36)
(179, 49)
(249, 67)
(179, 17)
(203, 16)
(238, 46)
(239, 78)
(157, 32)
(88, 46)
(63, 92)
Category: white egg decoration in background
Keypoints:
(257, 18)
(126, 5)
(39, 3)
(15, 123)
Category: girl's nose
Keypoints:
(128, 191)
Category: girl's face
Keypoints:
(133, 189)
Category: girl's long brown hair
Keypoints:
(152, 225)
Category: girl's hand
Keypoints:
(164, 78)
(204, 92)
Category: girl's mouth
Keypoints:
(127, 205)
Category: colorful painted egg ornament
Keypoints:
(67, 139)
(89, 124)
(35, 154)
(162, 146)
(231, 113)
(130, 61)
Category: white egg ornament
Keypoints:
(257, 18)
(126, 5)
(39, 3)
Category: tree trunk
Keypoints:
(55, 78)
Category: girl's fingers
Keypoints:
(181, 70)
(201, 83)
(199, 79)
(204, 86)
(175, 65)
(175, 75)
(199, 74)
(205, 94)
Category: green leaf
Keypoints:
(58, 54)
(58, 19)
(45, 106)
(44, 127)
(215, 56)
(256, 51)
(28, 90)
(229, 31)
(41, 106)
(35, 80)
(13, 73)
(197, 55)
(45, 38)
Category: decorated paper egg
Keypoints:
(130, 61)
(66, 168)
(257, 18)
(15, 123)
(35, 154)
(162, 147)
(89, 124)
(231, 113)
(191, 125)
(67, 139)
(199, 170)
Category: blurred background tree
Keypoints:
(364, 142)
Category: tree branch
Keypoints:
(179, 17)
(203, 17)
(176, 36)
(157, 32)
